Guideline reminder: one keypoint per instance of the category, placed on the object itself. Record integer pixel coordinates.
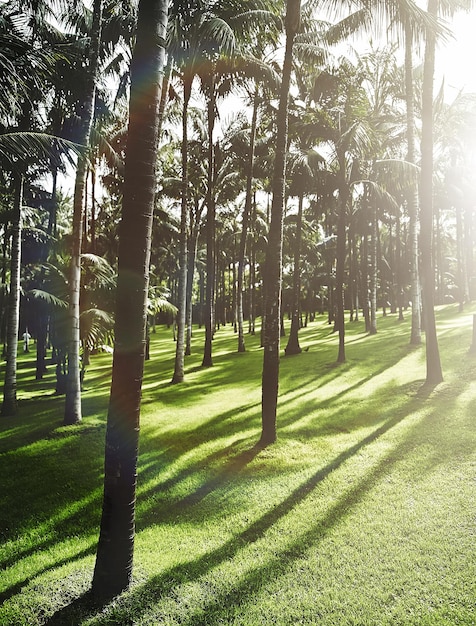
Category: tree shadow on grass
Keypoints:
(17, 587)
(231, 469)
(144, 596)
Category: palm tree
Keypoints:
(72, 409)
(113, 568)
(273, 262)
(413, 208)
(434, 374)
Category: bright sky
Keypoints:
(457, 59)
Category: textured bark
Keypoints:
(434, 374)
(113, 568)
(9, 406)
(274, 252)
(72, 409)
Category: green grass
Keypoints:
(363, 512)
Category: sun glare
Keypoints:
(455, 59)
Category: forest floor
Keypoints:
(363, 512)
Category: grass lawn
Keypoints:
(363, 512)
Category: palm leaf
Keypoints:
(22, 145)
(49, 298)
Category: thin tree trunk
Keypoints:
(340, 261)
(192, 255)
(9, 406)
(293, 346)
(274, 252)
(210, 235)
(113, 569)
(246, 219)
(72, 409)
(434, 373)
(415, 335)
(178, 375)
(373, 267)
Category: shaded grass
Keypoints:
(362, 513)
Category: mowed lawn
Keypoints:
(363, 512)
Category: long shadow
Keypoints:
(193, 570)
(234, 467)
(17, 587)
(277, 566)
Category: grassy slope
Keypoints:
(362, 513)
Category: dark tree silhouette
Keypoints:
(113, 568)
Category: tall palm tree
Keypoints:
(413, 205)
(434, 373)
(274, 253)
(113, 568)
(72, 409)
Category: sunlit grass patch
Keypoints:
(362, 513)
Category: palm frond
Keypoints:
(22, 145)
(49, 298)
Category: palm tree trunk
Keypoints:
(178, 375)
(274, 252)
(9, 406)
(244, 231)
(373, 268)
(192, 255)
(113, 568)
(293, 346)
(210, 234)
(434, 373)
(340, 261)
(72, 409)
(415, 334)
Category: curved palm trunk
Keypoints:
(178, 375)
(293, 346)
(415, 334)
(210, 230)
(274, 252)
(9, 406)
(72, 410)
(434, 374)
(113, 569)
(244, 231)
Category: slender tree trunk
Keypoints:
(9, 406)
(210, 235)
(113, 569)
(415, 335)
(434, 373)
(274, 252)
(192, 255)
(373, 268)
(178, 375)
(400, 265)
(72, 410)
(340, 261)
(246, 219)
(293, 346)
